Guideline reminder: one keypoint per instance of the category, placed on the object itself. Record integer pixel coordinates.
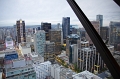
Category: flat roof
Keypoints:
(85, 75)
(19, 68)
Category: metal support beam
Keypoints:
(117, 2)
(98, 42)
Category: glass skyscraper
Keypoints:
(66, 26)
(100, 19)
(39, 42)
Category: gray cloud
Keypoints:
(36, 11)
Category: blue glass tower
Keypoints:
(100, 19)
(66, 26)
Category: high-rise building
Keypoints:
(104, 33)
(39, 42)
(66, 26)
(33, 30)
(96, 25)
(56, 37)
(73, 53)
(89, 59)
(46, 27)
(49, 51)
(114, 33)
(20, 31)
(72, 43)
(2, 34)
(38, 28)
(100, 19)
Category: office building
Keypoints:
(34, 30)
(66, 73)
(20, 31)
(38, 28)
(55, 71)
(96, 25)
(46, 27)
(60, 72)
(39, 42)
(2, 45)
(73, 53)
(85, 75)
(49, 51)
(89, 59)
(71, 39)
(2, 35)
(114, 33)
(104, 33)
(42, 70)
(14, 33)
(18, 67)
(56, 37)
(66, 26)
(100, 19)
(25, 48)
(63, 57)
(9, 42)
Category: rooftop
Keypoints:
(66, 72)
(86, 49)
(73, 36)
(84, 42)
(85, 75)
(19, 68)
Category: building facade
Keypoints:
(71, 39)
(56, 37)
(39, 42)
(100, 19)
(18, 67)
(42, 70)
(9, 42)
(49, 51)
(114, 33)
(66, 26)
(46, 27)
(89, 59)
(104, 33)
(73, 53)
(20, 31)
(85, 75)
(96, 25)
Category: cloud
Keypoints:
(53, 10)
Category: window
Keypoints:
(12, 72)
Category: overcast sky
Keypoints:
(33, 12)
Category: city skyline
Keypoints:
(35, 12)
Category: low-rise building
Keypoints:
(66, 73)
(26, 72)
(25, 48)
(42, 69)
(60, 72)
(64, 57)
(85, 75)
